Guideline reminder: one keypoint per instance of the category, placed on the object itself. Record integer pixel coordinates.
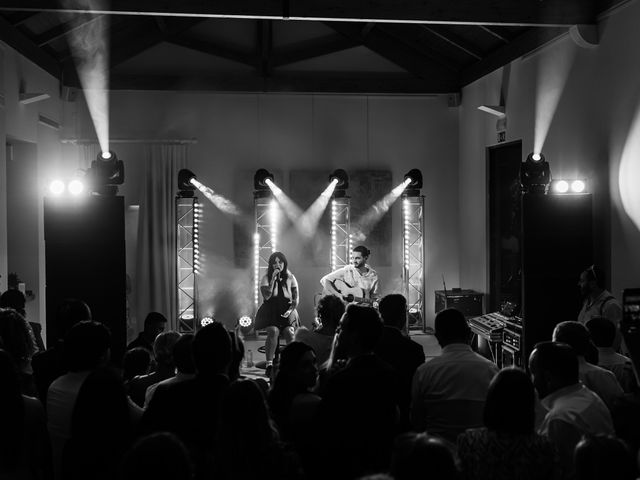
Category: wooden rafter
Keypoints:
(213, 48)
(316, 47)
(67, 28)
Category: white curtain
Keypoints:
(155, 288)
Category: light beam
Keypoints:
(372, 216)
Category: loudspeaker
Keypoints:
(85, 259)
(469, 302)
(557, 244)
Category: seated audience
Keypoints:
(161, 455)
(136, 361)
(604, 457)
(417, 456)
(14, 298)
(449, 391)
(603, 334)
(247, 445)
(507, 446)
(291, 402)
(600, 381)
(101, 428)
(24, 443)
(398, 350)
(359, 412)
(51, 363)
(190, 409)
(18, 341)
(572, 409)
(329, 312)
(165, 367)
(87, 347)
(154, 325)
(182, 359)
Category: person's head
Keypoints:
(154, 324)
(69, 312)
(101, 412)
(212, 349)
(136, 362)
(359, 256)
(417, 455)
(601, 457)
(277, 261)
(553, 366)
(87, 346)
(298, 365)
(574, 334)
(163, 348)
(359, 331)
(17, 336)
(237, 354)
(393, 310)
(330, 310)
(182, 354)
(602, 330)
(451, 327)
(591, 280)
(160, 455)
(15, 299)
(510, 403)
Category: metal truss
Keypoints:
(413, 272)
(340, 232)
(188, 213)
(264, 239)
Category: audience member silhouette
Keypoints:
(359, 413)
(190, 409)
(247, 444)
(600, 381)
(183, 360)
(291, 402)
(237, 355)
(165, 367)
(87, 347)
(51, 363)
(160, 455)
(154, 325)
(417, 456)
(507, 446)
(24, 443)
(136, 361)
(329, 312)
(603, 334)
(604, 457)
(14, 298)
(449, 391)
(17, 338)
(398, 350)
(572, 410)
(101, 428)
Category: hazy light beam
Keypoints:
(629, 173)
(308, 223)
(372, 216)
(221, 203)
(291, 210)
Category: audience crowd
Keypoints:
(352, 398)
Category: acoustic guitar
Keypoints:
(351, 294)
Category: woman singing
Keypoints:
(279, 289)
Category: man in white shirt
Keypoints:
(358, 279)
(572, 409)
(449, 391)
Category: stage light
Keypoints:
(245, 321)
(206, 321)
(561, 186)
(56, 187)
(105, 173)
(535, 174)
(415, 179)
(260, 179)
(185, 185)
(578, 186)
(341, 177)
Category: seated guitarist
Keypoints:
(358, 276)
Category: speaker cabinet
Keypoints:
(85, 259)
(557, 244)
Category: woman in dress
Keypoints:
(277, 314)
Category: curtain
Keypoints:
(155, 288)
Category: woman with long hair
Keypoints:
(277, 314)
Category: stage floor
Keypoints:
(429, 345)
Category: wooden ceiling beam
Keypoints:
(309, 49)
(452, 40)
(65, 29)
(494, 33)
(460, 12)
(217, 49)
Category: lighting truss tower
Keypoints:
(413, 272)
(340, 232)
(188, 216)
(264, 238)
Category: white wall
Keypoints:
(586, 137)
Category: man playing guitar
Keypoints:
(355, 283)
